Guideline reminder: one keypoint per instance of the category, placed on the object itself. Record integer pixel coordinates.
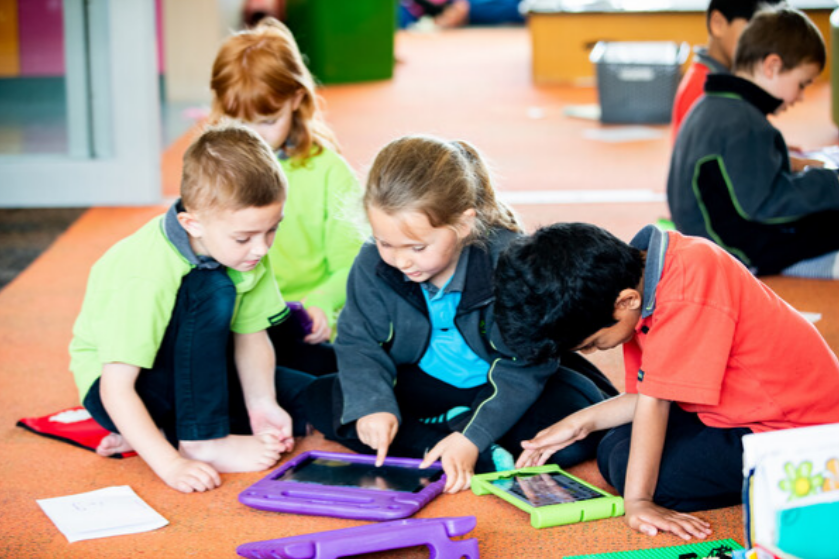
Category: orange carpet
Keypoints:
(471, 84)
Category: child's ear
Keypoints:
(628, 300)
(771, 66)
(297, 99)
(191, 223)
(466, 223)
(717, 24)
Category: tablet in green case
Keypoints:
(552, 496)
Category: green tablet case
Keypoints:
(604, 506)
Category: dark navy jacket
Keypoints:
(730, 180)
(385, 325)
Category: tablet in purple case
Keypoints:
(347, 486)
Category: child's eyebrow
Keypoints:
(414, 244)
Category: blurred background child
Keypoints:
(259, 77)
(730, 176)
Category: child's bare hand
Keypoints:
(648, 518)
(187, 475)
(320, 326)
(458, 455)
(797, 164)
(268, 417)
(377, 431)
(540, 448)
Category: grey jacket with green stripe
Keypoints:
(730, 179)
(385, 325)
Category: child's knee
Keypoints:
(613, 456)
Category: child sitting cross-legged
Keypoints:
(423, 371)
(170, 350)
(710, 353)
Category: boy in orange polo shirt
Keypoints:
(699, 331)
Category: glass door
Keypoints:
(79, 103)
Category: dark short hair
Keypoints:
(737, 9)
(783, 31)
(557, 287)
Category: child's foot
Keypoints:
(113, 443)
(235, 453)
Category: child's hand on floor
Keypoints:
(187, 475)
(648, 518)
(540, 448)
(377, 431)
(458, 455)
(320, 326)
(268, 417)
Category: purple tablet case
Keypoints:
(273, 494)
(301, 322)
(436, 533)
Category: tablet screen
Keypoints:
(344, 473)
(544, 489)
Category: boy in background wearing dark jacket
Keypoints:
(730, 177)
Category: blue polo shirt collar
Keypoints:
(179, 238)
(654, 241)
(456, 283)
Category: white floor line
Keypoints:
(534, 197)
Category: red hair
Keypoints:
(256, 72)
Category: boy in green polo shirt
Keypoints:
(170, 350)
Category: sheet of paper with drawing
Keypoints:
(828, 155)
(112, 511)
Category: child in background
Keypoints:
(259, 77)
(169, 351)
(725, 20)
(730, 178)
(422, 369)
(458, 13)
(710, 352)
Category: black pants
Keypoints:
(576, 385)
(294, 353)
(701, 467)
(192, 391)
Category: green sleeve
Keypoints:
(342, 239)
(258, 300)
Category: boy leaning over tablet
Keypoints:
(698, 331)
(170, 351)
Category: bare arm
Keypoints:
(577, 426)
(131, 417)
(255, 362)
(649, 428)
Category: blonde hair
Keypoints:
(230, 167)
(256, 72)
(439, 179)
